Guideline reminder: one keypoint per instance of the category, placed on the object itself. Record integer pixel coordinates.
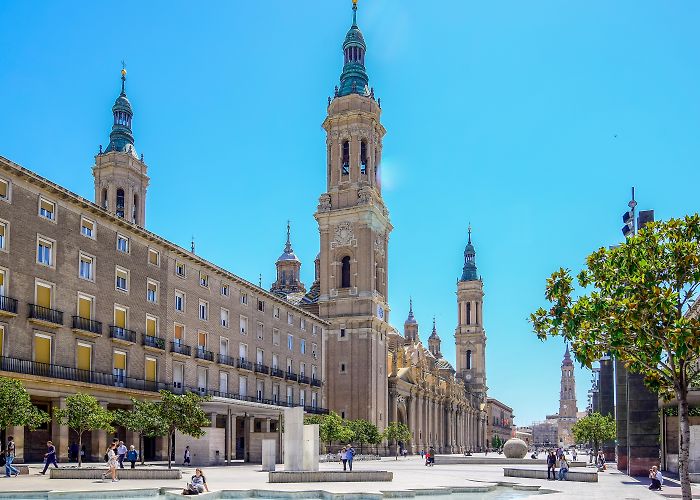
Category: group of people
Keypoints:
(115, 456)
(346, 455)
(554, 458)
(429, 456)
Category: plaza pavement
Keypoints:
(409, 473)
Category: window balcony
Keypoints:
(27, 367)
(261, 368)
(84, 325)
(8, 306)
(179, 348)
(244, 364)
(153, 342)
(315, 410)
(120, 334)
(303, 379)
(276, 372)
(291, 376)
(223, 359)
(315, 382)
(45, 316)
(201, 353)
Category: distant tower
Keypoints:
(470, 337)
(410, 326)
(434, 342)
(288, 268)
(567, 400)
(354, 228)
(120, 176)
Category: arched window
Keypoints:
(134, 213)
(345, 273)
(469, 359)
(120, 202)
(104, 198)
(363, 157)
(469, 313)
(346, 158)
(284, 277)
(476, 313)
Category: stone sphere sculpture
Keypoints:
(515, 448)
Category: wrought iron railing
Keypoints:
(45, 314)
(291, 376)
(276, 372)
(203, 354)
(155, 342)
(87, 325)
(261, 368)
(315, 382)
(179, 348)
(8, 304)
(244, 364)
(118, 332)
(225, 360)
(303, 379)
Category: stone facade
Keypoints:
(567, 401)
(499, 421)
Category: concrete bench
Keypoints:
(572, 475)
(139, 473)
(327, 476)
(462, 460)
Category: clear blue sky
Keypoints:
(532, 120)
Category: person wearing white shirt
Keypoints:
(657, 479)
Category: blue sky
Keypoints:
(531, 120)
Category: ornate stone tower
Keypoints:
(410, 326)
(434, 342)
(354, 232)
(470, 337)
(120, 175)
(288, 268)
(567, 400)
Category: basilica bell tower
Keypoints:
(354, 231)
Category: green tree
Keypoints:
(16, 407)
(331, 428)
(145, 418)
(364, 432)
(496, 442)
(84, 413)
(594, 428)
(182, 413)
(638, 309)
(397, 432)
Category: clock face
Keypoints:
(380, 312)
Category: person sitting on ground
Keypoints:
(132, 455)
(600, 462)
(198, 482)
(657, 479)
(563, 468)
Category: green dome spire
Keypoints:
(469, 269)
(354, 79)
(121, 139)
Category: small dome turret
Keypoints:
(354, 79)
(469, 270)
(121, 137)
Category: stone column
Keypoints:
(643, 427)
(59, 434)
(419, 422)
(247, 432)
(99, 442)
(621, 415)
(266, 425)
(17, 432)
(607, 402)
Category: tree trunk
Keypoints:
(684, 443)
(170, 450)
(141, 447)
(80, 447)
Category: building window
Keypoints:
(179, 301)
(179, 335)
(42, 348)
(44, 251)
(244, 325)
(122, 279)
(119, 368)
(152, 291)
(178, 375)
(290, 342)
(203, 310)
(275, 336)
(290, 395)
(44, 294)
(342, 367)
(120, 203)
(345, 169)
(290, 319)
(243, 351)
(261, 305)
(223, 382)
(153, 257)
(242, 386)
(202, 380)
(85, 306)
(122, 243)
(469, 313)
(302, 324)
(302, 397)
(151, 369)
(180, 269)
(302, 369)
(3, 282)
(342, 332)
(4, 234)
(4, 190)
(47, 209)
(275, 361)
(314, 348)
(314, 330)
(87, 227)
(83, 357)
(363, 157)
(469, 359)
(121, 316)
(314, 372)
(201, 341)
(345, 272)
(224, 318)
(203, 279)
(151, 326)
(260, 331)
(302, 346)
(225, 290)
(86, 267)
(244, 298)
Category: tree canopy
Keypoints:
(84, 413)
(182, 413)
(594, 428)
(16, 407)
(397, 432)
(144, 418)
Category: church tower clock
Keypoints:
(354, 231)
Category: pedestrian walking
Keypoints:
(121, 453)
(112, 461)
(187, 457)
(422, 454)
(350, 455)
(132, 455)
(9, 458)
(344, 457)
(551, 465)
(49, 456)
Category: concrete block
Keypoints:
(310, 447)
(138, 473)
(293, 438)
(580, 476)
(269, 454)
(329, 476)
